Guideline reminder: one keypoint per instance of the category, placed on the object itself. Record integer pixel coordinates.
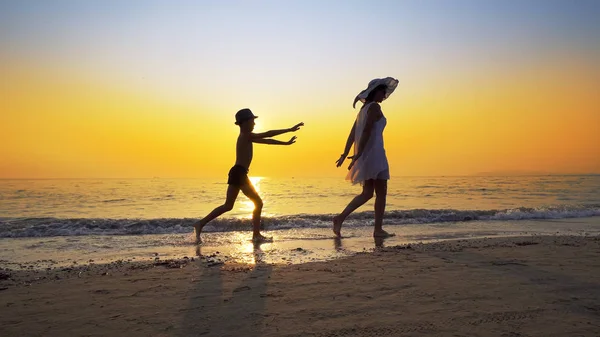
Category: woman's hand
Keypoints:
(354, 159)
(340, 161)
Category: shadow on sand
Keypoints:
(220, 297)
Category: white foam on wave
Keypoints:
(46, 227)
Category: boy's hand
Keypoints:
(296, 127)
(291, 141)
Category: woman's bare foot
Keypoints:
(260, 238)
(198, 231)
(337, 226)
(382, 234)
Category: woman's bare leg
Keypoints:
(380, 201)
(359, 200)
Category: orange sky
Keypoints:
(450, 117)
(534, 121)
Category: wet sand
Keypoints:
(290, 246)
(520, 286)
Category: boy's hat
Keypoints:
(390, 85)
(243, 115)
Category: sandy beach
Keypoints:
(520, 286)
(146, 146)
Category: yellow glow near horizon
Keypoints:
(522, 123)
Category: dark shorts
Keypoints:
(238, 176)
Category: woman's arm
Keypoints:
(372, 115)
(349, 143)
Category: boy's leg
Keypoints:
(251, 193)
(359, 200)
(232, 193)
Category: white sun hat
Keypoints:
(389, 82)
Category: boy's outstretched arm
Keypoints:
(274, 133)
(274, 141)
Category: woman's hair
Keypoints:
(374, 91)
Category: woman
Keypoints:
(369, 165)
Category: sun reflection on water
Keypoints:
(247, 252)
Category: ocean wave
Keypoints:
(47, 227)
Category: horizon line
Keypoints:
(330, 176)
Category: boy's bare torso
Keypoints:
(243, 150)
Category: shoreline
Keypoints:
(290, 246)
(509, 286)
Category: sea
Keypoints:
(65, 221)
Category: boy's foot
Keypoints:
(337, 226)
(198, 231)
(260, 238)
(382, 234)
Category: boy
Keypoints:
(238, 175)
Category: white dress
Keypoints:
(373, 163)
